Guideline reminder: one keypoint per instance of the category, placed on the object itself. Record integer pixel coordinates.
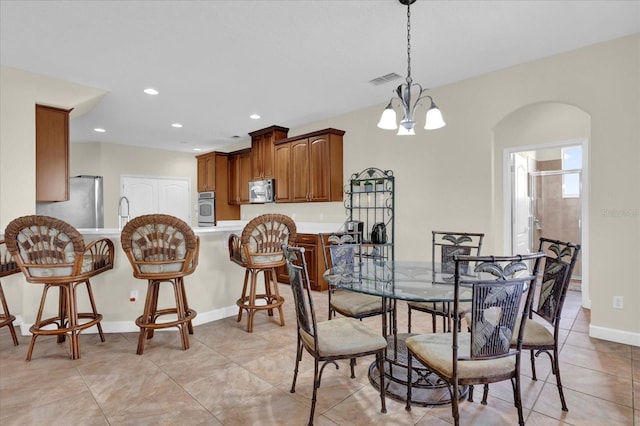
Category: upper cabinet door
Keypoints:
(300, 169)
(244, 173)
(283, 173)
(52, 154)
(239, 177)
(319, 169)
(207, 172)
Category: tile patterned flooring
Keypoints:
(231, 377)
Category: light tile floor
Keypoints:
(231, 377)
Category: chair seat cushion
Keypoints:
(440, 307)
(434, 350)
(352, 304)
(89, 264)
(160, 268)
(344, 336)
(535, 334)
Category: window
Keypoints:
(571, 160)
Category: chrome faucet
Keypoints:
(123, 218)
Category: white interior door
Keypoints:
(174, 198)
(521, 214)
(151, 195)
(142, 194)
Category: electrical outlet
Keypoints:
(133, 296)
(618, 302)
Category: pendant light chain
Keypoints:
(409, 80)
(403, 94)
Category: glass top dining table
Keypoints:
(415, 281)
(412, 281)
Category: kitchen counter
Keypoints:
(212, 289)
(226, 226)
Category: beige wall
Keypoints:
(451, 178)
(112, 161)
(19, 93)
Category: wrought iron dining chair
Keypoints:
(162, 249)
(8, 266)
(328, 341)
(485, 354)
(341, 250)
(444, 245)
(259, 249)
(546, 312)
(51, 252)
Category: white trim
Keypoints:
(131, 327)
(613, 335)
(507, 195)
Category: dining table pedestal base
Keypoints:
(427, 388)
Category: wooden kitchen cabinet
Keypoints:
(213, 174)
(206, 172)
(263, 151)
(52, 153)
(239, 176)
(314, 259)
(312, 170)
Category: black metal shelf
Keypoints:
(371, 206)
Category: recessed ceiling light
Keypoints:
(151, 91)
(255, 116)
(99, 130)
(197, 149)
(177, 125)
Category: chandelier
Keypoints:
(403, 93)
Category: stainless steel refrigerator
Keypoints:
(85, 207)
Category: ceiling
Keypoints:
(293, 62)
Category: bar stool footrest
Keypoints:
(190, 314)
(272, 302)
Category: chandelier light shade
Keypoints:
(403, 93)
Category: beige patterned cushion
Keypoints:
(353, 304)
(436, 348)
(168, 266)
(88, 265)
(344, 336)
(256, 235)
(535, 334)
(463, 308)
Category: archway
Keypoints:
(539, 132)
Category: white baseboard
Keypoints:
(612, 335)
(131, 327)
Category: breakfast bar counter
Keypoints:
(212, 289)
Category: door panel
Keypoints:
(521, 206)
(174, 198)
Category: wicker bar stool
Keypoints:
(49, 251)
(162, 249)
(8, 266)
(259, 249)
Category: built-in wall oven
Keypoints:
(207, 208)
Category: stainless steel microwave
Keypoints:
(262, 191)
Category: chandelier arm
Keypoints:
(422, 95)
